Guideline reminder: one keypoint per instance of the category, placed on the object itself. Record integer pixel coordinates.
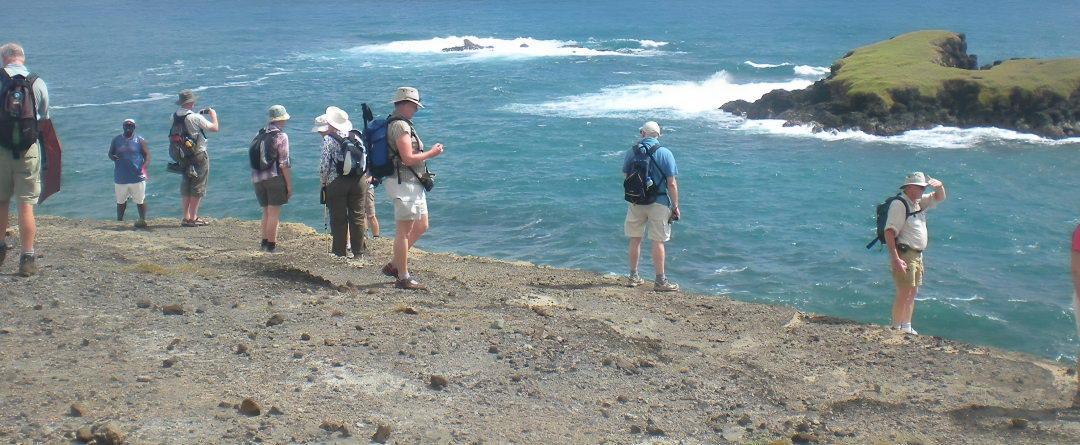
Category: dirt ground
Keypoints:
(178, 335)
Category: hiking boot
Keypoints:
(665, 286)
(389, 270)
(635, 280)
(140, 224)
(409, 283)
(26, 265)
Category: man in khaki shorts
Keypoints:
(659, 214)
(906, 237)
(20, 170)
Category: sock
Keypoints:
(403, 277)
(28, 252)
(660, 277)
(633, 273)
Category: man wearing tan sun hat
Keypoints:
(906, 237)
(406, 187)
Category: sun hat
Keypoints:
(650, 129)
(407, 93)
(278, 113)
(337, 118)
(915, 178)
(129, 121)
(320, 125)
(186, 97)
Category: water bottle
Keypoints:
(648, 181)
(16, 138)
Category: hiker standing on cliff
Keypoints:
(20, 167)
(404, 187)
(130, 158)
(273, 186)
(906, 237)
(344, 192)
(196, 168)
(657, 203)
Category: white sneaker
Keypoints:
(908, 330)
(635, 280)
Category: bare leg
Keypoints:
(658, 252)
(142, 211)
(903, 305)
(270, 222)
(405, 236)
(635, 252)
(120, 208)
(374, 223)
(27, 228)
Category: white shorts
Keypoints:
(655, 214)
(410, 201)
(136, 191)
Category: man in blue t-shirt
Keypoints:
(658, 215)
(130, 156)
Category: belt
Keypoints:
(905, 248)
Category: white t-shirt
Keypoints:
(911, 230)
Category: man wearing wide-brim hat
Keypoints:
(196, 167)
(906, 237)
(405, 187)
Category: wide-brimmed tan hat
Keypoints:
(278, 113)
(407, 93)
(650, 129)
(320, 125)
(915, 178)
(186, 97)
(337, 118)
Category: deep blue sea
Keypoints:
(535, 137)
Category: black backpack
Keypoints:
(181, 144)
(261, 153)
(639, 187)
(883, 217)
(352, 159)
(18, 113)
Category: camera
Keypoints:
(204, 111)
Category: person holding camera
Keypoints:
(197, 166)
(406, 187)
(659, 215)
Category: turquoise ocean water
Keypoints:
(534, 137)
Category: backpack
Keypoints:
(883, 216)
(380, 163)
(639, 187)
(352, 160)
(261, 153)
(18, 113)
(181, 144)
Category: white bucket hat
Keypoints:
(337, 118)
(916, 178)
(320, 125)
(407, 93)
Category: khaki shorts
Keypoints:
(271, 192)
(20, 178)
(655, 214)
(369, 202)
(410, 201)
(136, 191)
(195, 187)
(915, 270)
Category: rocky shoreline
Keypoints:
(191, 335)
(960, 95)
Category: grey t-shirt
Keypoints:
(393, 132)
(195, 123)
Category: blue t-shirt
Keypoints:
(663, 161)
(129, 168)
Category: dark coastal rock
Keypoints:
(961, 100)
(468, 46)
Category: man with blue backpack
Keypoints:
(649, 186)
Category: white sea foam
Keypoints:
(724, 270)
(812, 71)
(937, 137)
(152, 97)
(680, 99)
(766, 65)
(513, 48)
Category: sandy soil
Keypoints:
(168, 334)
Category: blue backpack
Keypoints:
(639, 187)
(380, 162)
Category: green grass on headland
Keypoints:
(918, 60)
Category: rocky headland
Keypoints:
(177, 335)
(925, 79)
